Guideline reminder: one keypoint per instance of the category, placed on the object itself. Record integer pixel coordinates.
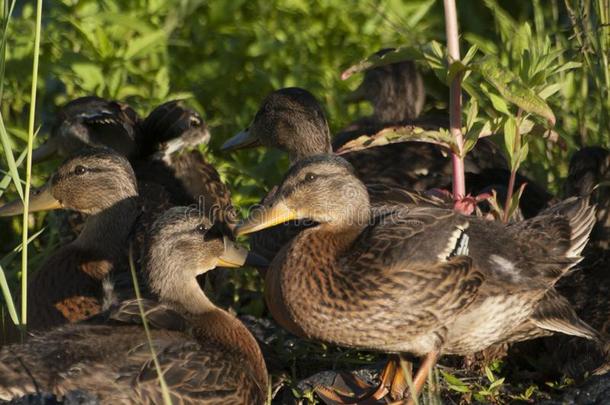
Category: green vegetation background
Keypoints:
(225, 56)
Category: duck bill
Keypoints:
(242, 140)
(265, 218)
(233, 256)
(40, 200)
(44, 152)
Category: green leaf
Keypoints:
(567, 66)
(496, 384)
(489, 374)
(549, 90)
(473, 112)
(498, 103)
(91, 76)
(407, 133)
(397, 55)
(510, 139)
(144, 43)
(10, 158)
(453, 380)
(511, 88)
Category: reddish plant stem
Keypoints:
(455, 100)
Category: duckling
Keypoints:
(72, 284)
(419, 280)
(207, 355)
(91, 122)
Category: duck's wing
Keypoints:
(157, 315)
(555, 313)
(552, 241)
(198, 375)
(203, 183)
(419, 260)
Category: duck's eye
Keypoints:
(310, 177)
(195, 122)
(201, 229)
(78, 170)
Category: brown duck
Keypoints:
(168, 172)
(206, 354)
(420, 280)
(91, 122)
(73, 282)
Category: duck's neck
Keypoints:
(107, 232)
(311, 262)
(212, 324)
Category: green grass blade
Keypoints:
(8, 298)
(10, 158)
(6, 180)
(164, 390)
(28, 168)
(6, 292)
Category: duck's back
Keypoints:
(113, 360)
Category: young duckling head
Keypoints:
(90, 122)
(172, 127)
(396, 91)
(89, 182)
(289, 119)
(183, 244)
(321, 188)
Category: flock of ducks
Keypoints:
(352, 250)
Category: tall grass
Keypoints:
(28, 169)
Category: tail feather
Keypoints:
(560, 233)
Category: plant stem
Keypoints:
(28, 172)
(455, 100)
(513, 171)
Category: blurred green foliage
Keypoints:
(225, 56)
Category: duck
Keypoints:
(420, 280)
(167, 140)
(395, 90)
(207, 355)
(73, 282)
(292, 120)
(91, 121)
(168, 169)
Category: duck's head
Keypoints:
(90, 122)
(89, 182)
(183, 244)
(396, 91)
(172, 127)
(321, 188)
(289, 119)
